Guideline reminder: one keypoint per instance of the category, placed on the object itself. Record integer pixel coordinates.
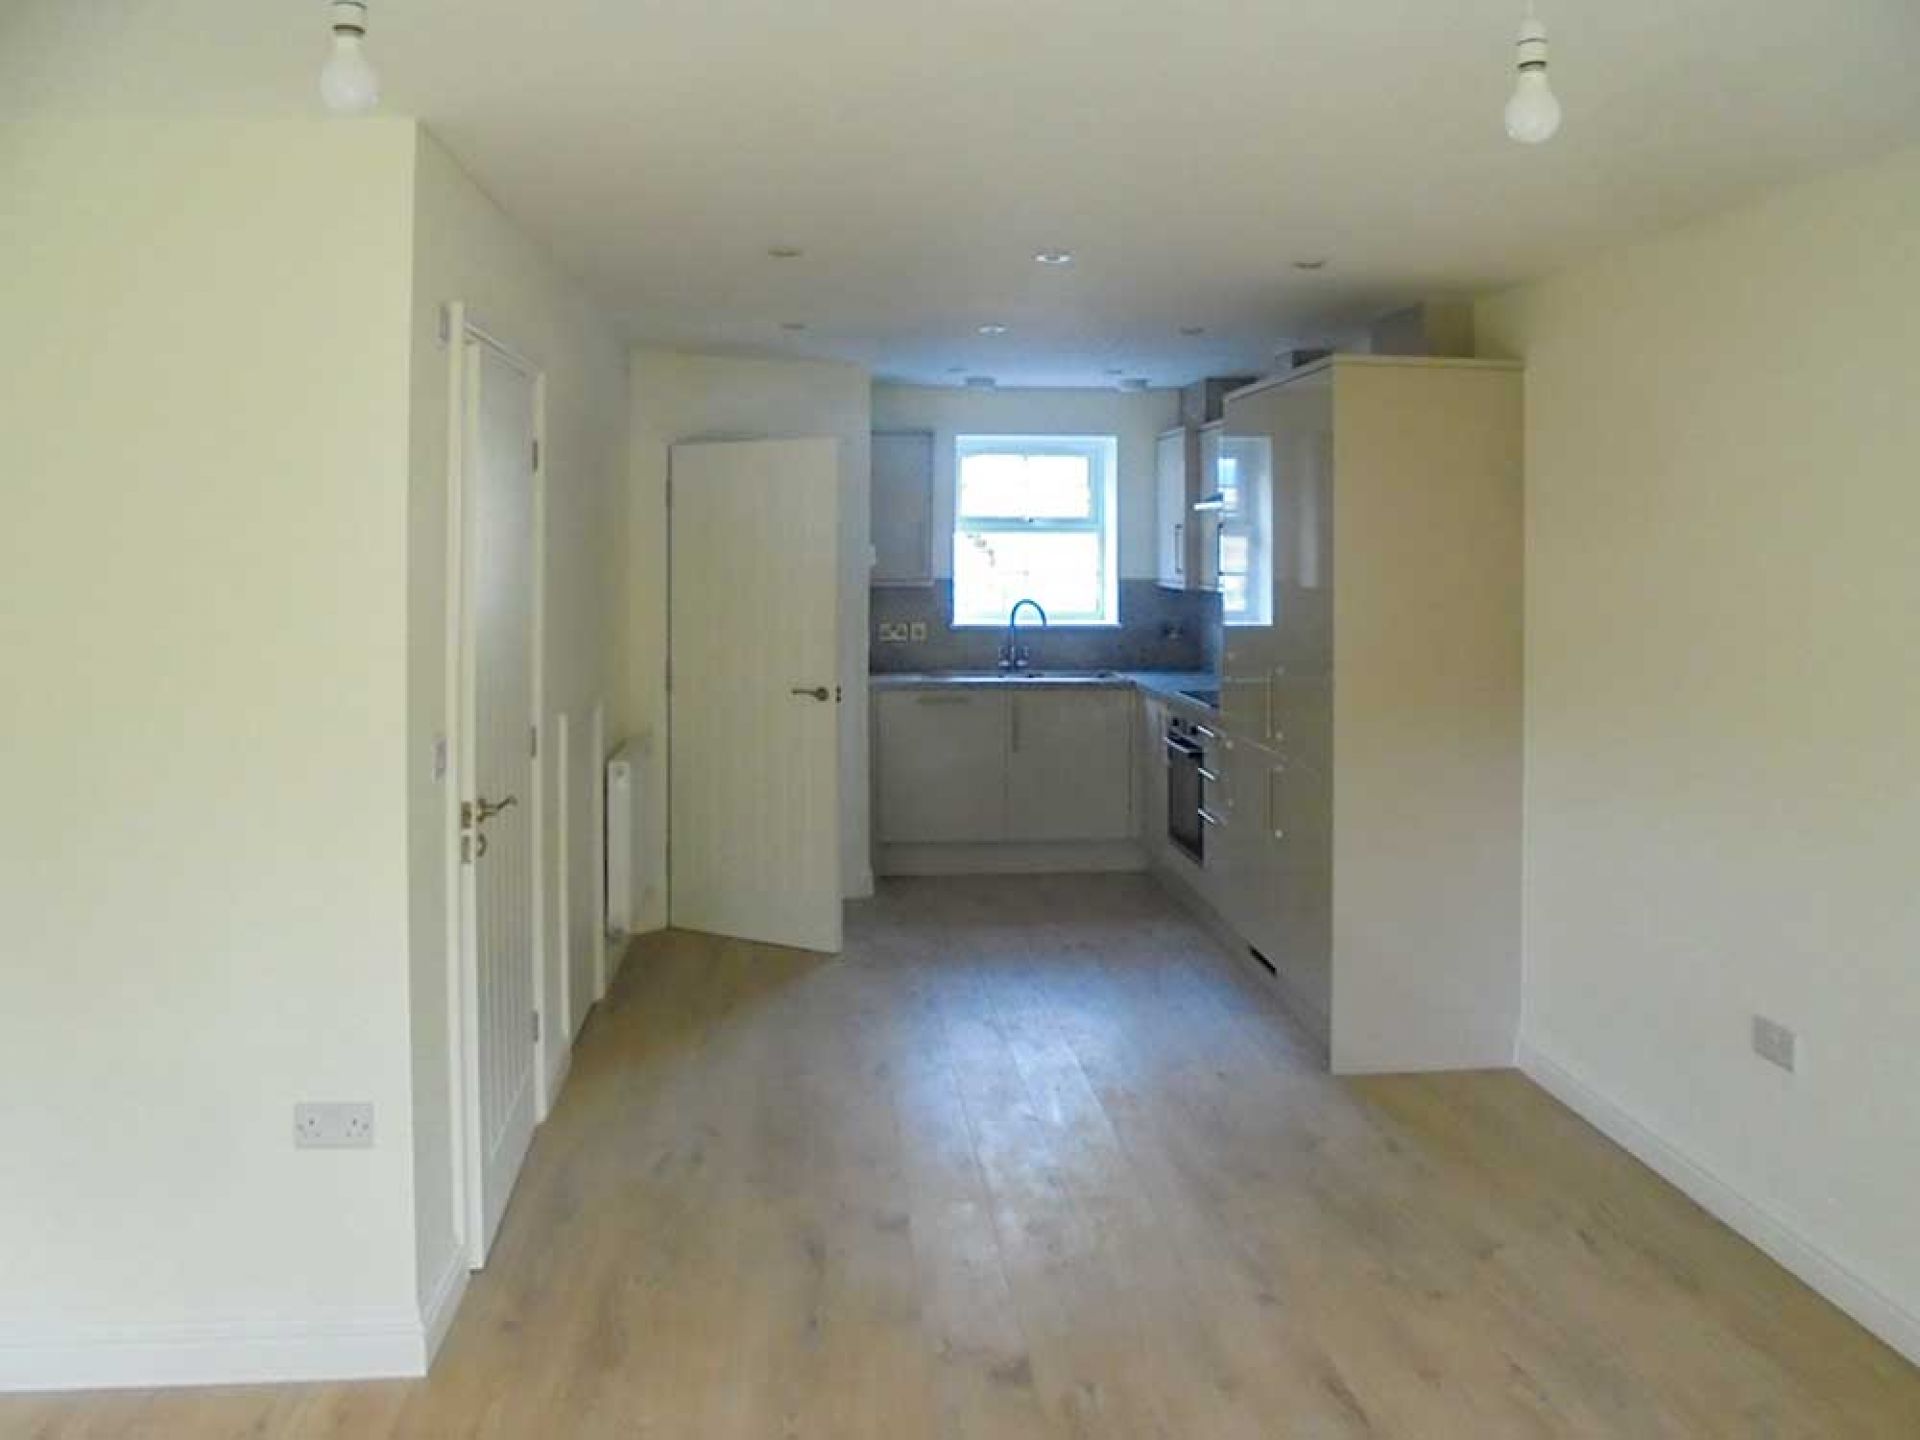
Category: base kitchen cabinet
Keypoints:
(941, 758)
(992, 774)
(1069, 770)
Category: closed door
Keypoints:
(754, 849)
(497, 610)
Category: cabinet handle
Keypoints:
(1206, 774)
(1207, 817)
(1180, 549)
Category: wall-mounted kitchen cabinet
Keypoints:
(1184, 538)
(1017, 766)
(902, 507)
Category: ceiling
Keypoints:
(921, 154)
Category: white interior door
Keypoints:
(497, 674)
(755, 841)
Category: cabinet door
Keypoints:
(902, 508)
(941, 766)
(1203, 548)
(1070, 765)
(1171, 510)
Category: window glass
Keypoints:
(1035, 521)
(1027, 487)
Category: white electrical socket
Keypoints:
(1775, 1043)
(337, 1126)
(892, 632)
(917, 630)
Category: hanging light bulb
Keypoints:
(1533, 114)
(348, 85)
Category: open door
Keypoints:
(755, 708)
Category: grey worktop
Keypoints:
(1167, 684)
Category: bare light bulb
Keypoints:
(348, 85)
(1533, 114)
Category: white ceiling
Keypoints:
(1187, 153)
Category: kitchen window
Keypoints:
(1034, 518)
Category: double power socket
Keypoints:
(900, 632)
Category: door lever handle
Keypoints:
(478, 812)
(818, 692)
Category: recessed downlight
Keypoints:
(1191, 330)
(993, 329)
(1054, 257)
(793, 327)
(981, 382)
(785, 252)
(1311, 265)
(1116, 370)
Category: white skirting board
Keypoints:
(436, 1315)
(110, 1356)
(375, 1346)
(1779, 1238)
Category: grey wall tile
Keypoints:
(1159, 630)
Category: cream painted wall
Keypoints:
(678, 397)
(1723, 800)
(466, 249)
(203, 849)
(1136, 418)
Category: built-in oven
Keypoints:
(1187, 777)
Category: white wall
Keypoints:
(1135, 417)
(203, 857)
(465, 249)
(678, 397)
(1723, 799)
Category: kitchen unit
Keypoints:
(1367, 845)
(1004, 772)
(1187, 484)
(1183, 536)
(902, 507)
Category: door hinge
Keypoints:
(536, 1027)
(533, 741)
(536, 454)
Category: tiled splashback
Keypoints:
(1159, 630)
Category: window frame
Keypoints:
(1102, 453)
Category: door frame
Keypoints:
(459, 325)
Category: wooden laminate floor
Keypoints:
(1035, 1158)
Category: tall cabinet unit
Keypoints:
(1372, 690)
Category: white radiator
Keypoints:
(626, 839)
